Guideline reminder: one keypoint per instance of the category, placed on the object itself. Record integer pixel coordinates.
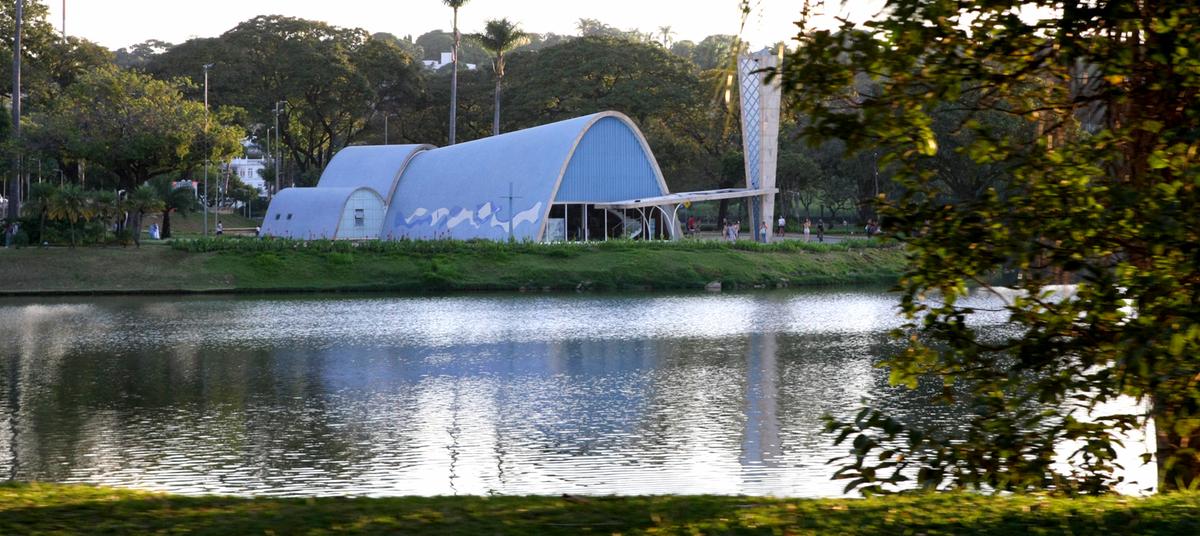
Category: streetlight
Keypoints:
(14, 187)
(278, 145)
(267, 158)
(207, 66)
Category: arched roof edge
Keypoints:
(662, 183)
(387, 199)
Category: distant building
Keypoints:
(249, 170)
(587, 178)
(444, 61)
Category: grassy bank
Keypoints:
(247, 265)
(56, 509)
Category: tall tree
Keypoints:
(134, 126)
(499, 37)
(141, 200)
(334, 81)
(180, 200)
(1105, 194)
(454, 5)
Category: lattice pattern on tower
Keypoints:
(750, 89)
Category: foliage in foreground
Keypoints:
(1106, 195)
(44, 508)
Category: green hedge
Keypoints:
(433, 247)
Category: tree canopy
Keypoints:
(1088, 113)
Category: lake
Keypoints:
(469, 394)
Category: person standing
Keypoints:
(807, 229)
(782, 226)
(820, 230)
(762, 232)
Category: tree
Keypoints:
(1104, 195)
(132, 125)
(140, 56)
(500, 37)
(800, 177)
(714, 51)
(71, 203)
(436, 42)
(454, 5)
(181, 199)
(333, 81)
(41, 198)
(142, 200)
(667, 34)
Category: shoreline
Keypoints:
(239, 267)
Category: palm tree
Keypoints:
(454, 4)
(71, 204)
(41, 195)
(667, 33)
(144, 199)
(500, 36)
(181, 200)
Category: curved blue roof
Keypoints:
(307, 213)
(462, 191)
(377, 167)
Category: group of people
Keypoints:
(731, 230)
(807, 228)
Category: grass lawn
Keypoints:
(252, 265)
(192, 225)
(59, 509)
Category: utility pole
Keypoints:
(279, 146)
(207, 66)
(385, 129)
(267, 156)
(14, 187)
(64, 24)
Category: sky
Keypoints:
(120, 23)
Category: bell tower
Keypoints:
(760, 134)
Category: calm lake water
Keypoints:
(373, 395)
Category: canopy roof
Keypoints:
(687, 197)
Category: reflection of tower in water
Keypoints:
(760, 438)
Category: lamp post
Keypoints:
(267, 157)
(278, 145)
(385, 129)
(14, 187)
(207, 66)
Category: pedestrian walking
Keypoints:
(782, 226)
(820, 230)
(807, 229)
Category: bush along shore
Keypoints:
(250, 265)
(59, 509)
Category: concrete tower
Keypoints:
(760, 134)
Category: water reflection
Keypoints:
(429, 396)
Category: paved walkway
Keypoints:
(829, 239)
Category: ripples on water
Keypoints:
(638, 394)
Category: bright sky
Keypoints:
(120, 23)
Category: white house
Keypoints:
(248, 170)
(446, 59)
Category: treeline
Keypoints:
(114, 120)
